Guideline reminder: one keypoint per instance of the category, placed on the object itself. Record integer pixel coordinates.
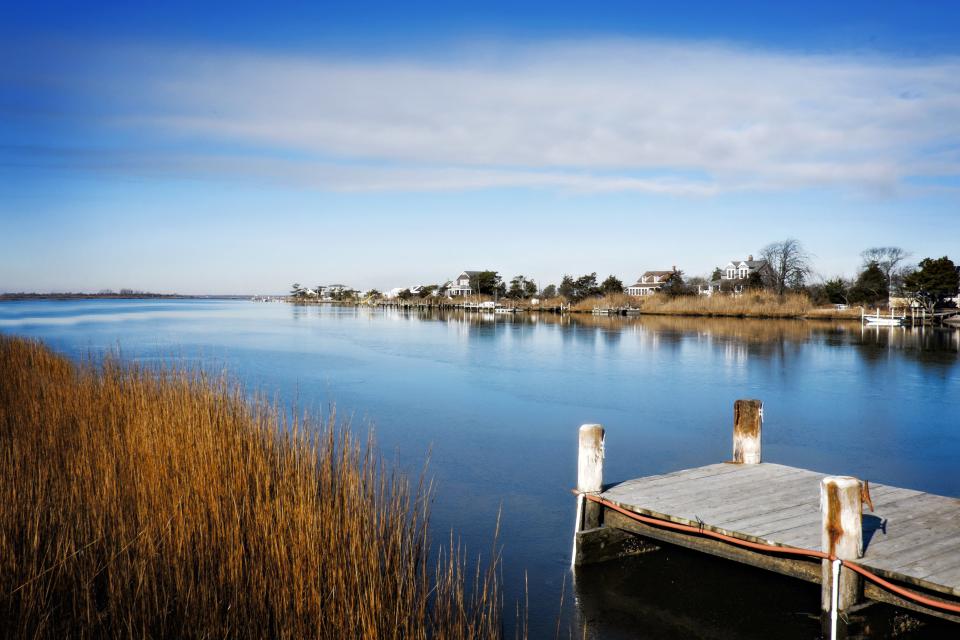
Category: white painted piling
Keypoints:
(590, 459)
(589, 479)
(747, 428)
(841, 536)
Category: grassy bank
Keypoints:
(166, 505)
(760, 304)
(757, 304)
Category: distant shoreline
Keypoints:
(116, 296)
(758, 313)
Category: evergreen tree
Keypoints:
(871, 286)
(611, 285)
(518, 288)
(936, 280)
(836, 291)
(675, 286)
(529, 288)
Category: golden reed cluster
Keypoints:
(751, 304)
(152, 504)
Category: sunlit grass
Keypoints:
(758, 304)
(136, 503)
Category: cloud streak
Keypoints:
(651, 117)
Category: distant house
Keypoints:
(737, 273)
(331, 290)
(462, 284)
(422, 290)
(650, 282)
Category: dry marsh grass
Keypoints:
(759, 304)
(144, 504)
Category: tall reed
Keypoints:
(757, 304)
(136, 503)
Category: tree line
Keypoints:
(884, 272)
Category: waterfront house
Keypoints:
(735, 276)
(462, 285)
(650, 282)
(331, 291)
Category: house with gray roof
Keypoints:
(735, 276)
(463, 284)
(650, 282)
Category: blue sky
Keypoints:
(236, 148)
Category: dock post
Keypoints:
(747, 426)
(589, 479)
(841, 536)
(590, 471)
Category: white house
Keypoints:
(736, 274)
(462, 285)
(650, 282)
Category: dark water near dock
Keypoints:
(499, 400)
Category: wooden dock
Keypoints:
(766, 515)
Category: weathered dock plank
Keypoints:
(920, 531)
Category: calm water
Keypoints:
(499, 400)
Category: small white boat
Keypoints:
(884, 322)
(505, 310)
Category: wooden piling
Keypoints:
(841, 536)
(589, 480)
(747, 424)
(590, 471)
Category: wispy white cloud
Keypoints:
(655, 117)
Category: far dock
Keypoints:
(905, 551)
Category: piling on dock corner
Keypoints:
(841, 536)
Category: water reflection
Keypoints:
(925, 344)
(737, 339)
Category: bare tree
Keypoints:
(790, 263)
(888, 259)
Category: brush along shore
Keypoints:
(757, 304)
(161, 503)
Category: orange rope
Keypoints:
(916, 597)
(929, 602)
